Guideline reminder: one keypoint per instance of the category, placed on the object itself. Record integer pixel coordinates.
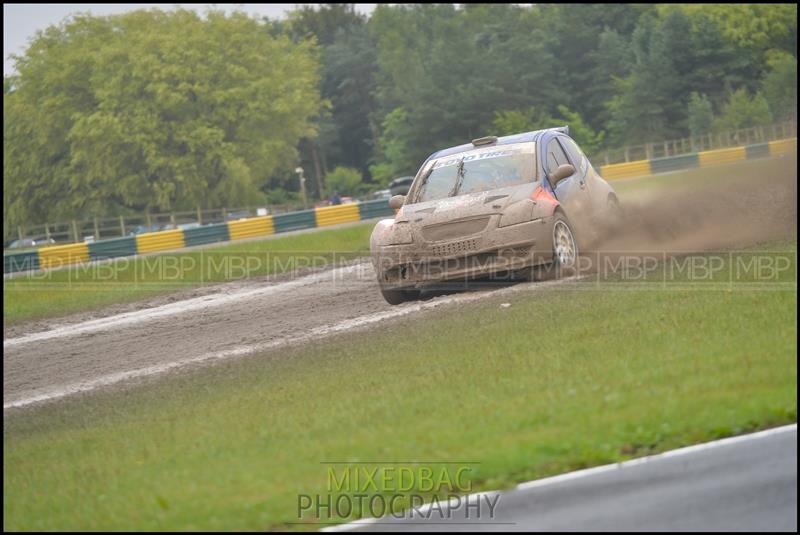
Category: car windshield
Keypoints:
(478, 170)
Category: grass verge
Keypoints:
(564, 378)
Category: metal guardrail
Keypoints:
(706, 142)
(101, 228)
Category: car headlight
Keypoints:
(400, 235)
(519, 212)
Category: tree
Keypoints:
(346, 134)
(508, 122)
(450, 69)
(394, 153)
(345, 181)
(780, 86)
(589, 140)
(701, 116)
(153, 110)
(743, 111)
(514, 121)
(348, 81)
(757, 27)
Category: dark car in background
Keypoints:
(26, 243)
(401, 185)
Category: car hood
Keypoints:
(452, 217)
(461, 206)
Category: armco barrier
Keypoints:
(625, 170)
(295, 221)
(715, 157)
(48, 257)
(703, 159)
(112, 248)
(61, 255)
(782, 146)
(761, 150)
(334, 215)
(207, 234)
(159, 241)
(249, 228)
(28, 261)
(674, 163)
(373, 209)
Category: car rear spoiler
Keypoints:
(561, 129)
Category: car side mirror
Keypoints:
(564, 170)
(397, 201)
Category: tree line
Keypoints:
(168, 110)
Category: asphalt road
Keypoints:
(739, 485)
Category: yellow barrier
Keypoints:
(333, 215)
(625, 170)
(159, 241)
(61, 255)
(716, 157)
(782, 146)
(254, 226)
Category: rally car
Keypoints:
(515, 204)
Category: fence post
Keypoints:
(627, 154)
(19, 231)
(172, 220)
(147, 218)
(96, 230)
(224, 214)
(199, 216)
(47, 231)
(122, 225)
(75, 231)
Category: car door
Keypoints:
(572, 191)
(596, 195)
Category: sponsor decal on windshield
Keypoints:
(480, 156)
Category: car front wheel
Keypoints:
(396, 297)
(565, 252)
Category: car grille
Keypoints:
(454, 230)
(454, 248)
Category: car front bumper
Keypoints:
(496, 250)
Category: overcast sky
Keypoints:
(21, 21)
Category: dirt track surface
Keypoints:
(83, 352)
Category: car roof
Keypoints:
(505, 140)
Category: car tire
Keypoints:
(397, 297)
(565, 252)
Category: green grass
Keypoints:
(64, 291)
(567, 377)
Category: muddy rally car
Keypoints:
(519, 204)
